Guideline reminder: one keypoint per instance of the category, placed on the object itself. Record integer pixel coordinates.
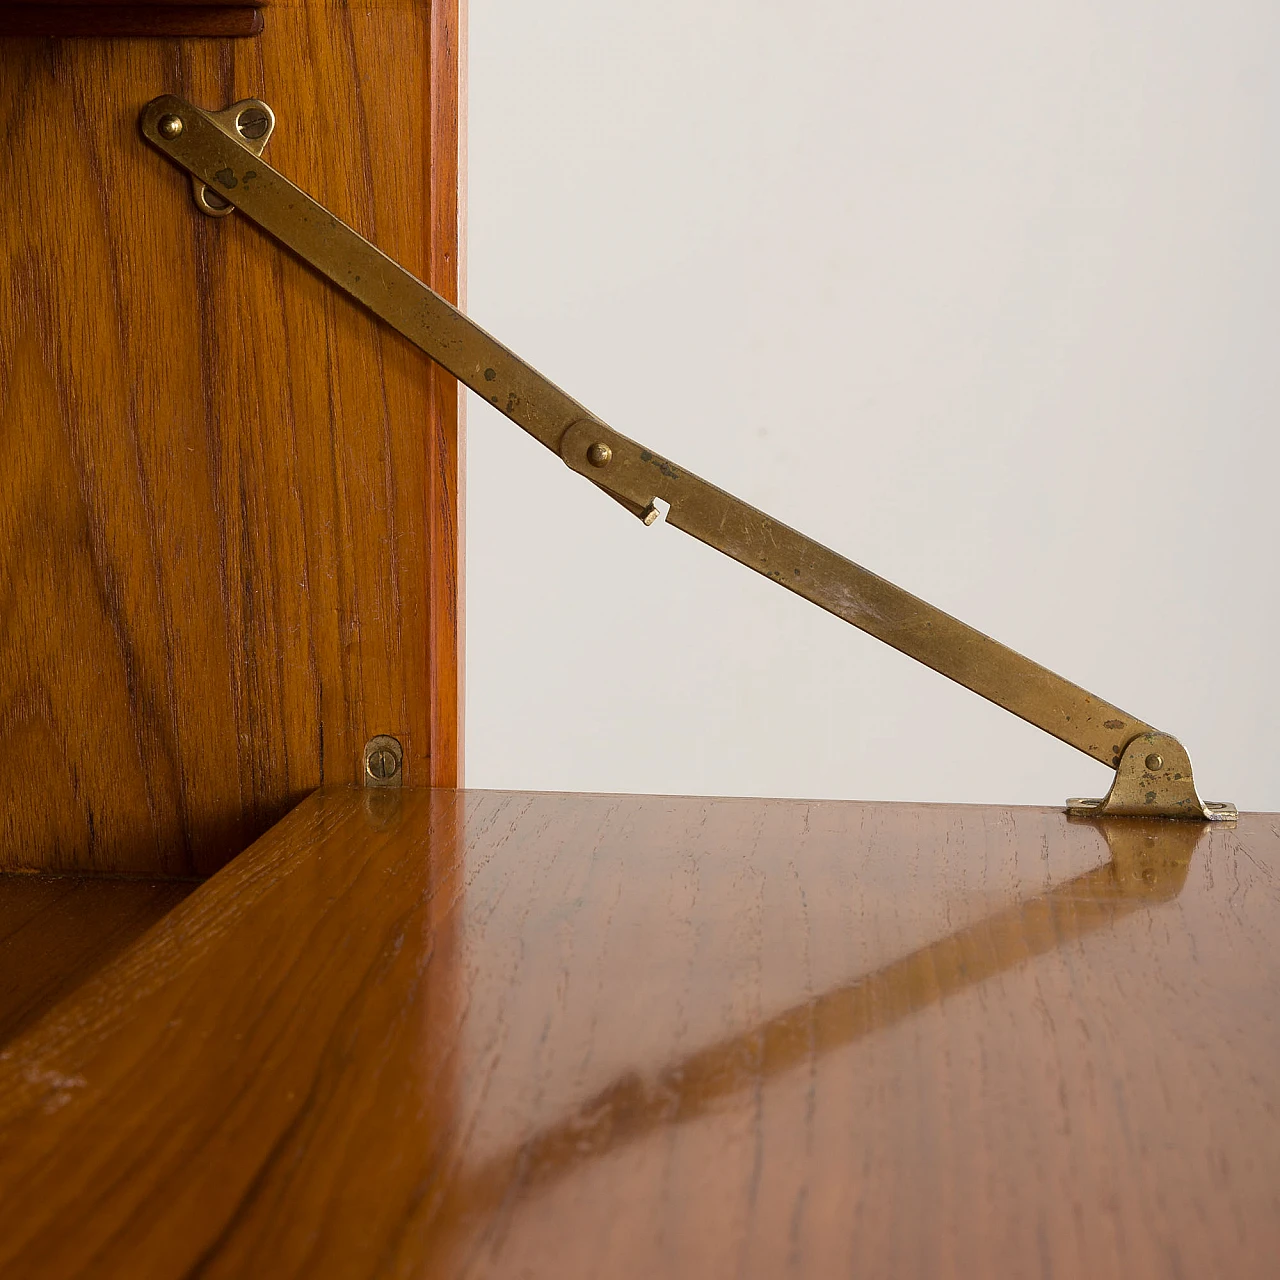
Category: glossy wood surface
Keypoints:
(484, 1034)
(228, 499)
(56, 931)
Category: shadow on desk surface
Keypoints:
(57, 931)
(480, 1033)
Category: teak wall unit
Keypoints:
(229, 530)
(422, 1031)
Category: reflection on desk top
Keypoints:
(497, 1034)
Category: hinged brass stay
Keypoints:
(1153, 772)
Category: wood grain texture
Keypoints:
(466, 1034)
(229, 518)
(56, 931)
(63, 20)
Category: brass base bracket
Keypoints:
(1153, 780)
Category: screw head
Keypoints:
(169, 126)
(599, 454)
(252, 123)
(1154, 762)
(383, 763)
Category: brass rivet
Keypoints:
(169, 126)
(599, 454)
(1154, 762)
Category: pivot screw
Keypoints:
(169, 126)
(252, 123)
(599, 454)
(1154, 762)
(383, 758)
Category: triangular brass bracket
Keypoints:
(1153, 780)
(250, 122)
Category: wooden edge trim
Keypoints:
(445, 451)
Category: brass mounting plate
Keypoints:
(251, 122)
(1153, 780)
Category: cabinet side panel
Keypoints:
(223, 568)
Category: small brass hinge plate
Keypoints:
(250, 122)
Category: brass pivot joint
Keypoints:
(1153, 780)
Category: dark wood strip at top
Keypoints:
(169, 21)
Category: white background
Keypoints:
(983, 296)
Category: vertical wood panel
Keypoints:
(230, 504)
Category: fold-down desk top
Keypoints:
(494, 1034)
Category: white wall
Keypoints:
(984, 296)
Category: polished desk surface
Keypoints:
(491, 1034)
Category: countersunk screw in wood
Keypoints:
(383, 761)
(252, 123)
(382, 764)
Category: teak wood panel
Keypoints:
(228, 498)
(463, 1034)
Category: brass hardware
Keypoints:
(1153, 783)
(210, 149)
(383, 761)
(255, 121)
(251, 119)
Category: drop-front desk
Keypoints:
(256, 1021)
(472, 1033)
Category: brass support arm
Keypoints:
(223, 157)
